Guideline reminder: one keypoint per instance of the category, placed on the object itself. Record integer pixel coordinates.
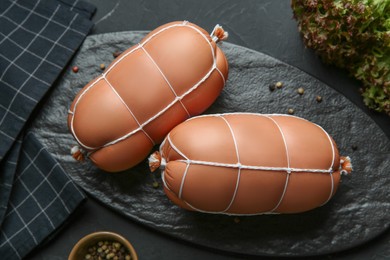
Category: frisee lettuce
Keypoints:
(351, 34)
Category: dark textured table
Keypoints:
(264, 26)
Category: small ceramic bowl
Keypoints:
(80, 250)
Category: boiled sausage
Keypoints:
(175, 72)
(245, 164)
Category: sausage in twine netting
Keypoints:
(175, 72)
(248, 164)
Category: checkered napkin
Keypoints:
(37, 40)
(41, 199)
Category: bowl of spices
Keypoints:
(101, 246)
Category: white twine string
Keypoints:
(127, 107)
(166, 80)
(238, 164)
(182, 180)
(253, 167)
(288, 164)
(331, 166)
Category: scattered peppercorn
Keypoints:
(116, 54)
(300, 91)
(290, 111)
(319, 99)
(102, 66)
(272, 87)
(155, 184)
(279, 84)
(237, 220)
(354, 147)
(75, 69)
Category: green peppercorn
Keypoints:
(290, 111)
(319, 99)
(300, 91)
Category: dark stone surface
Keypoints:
(358, 212)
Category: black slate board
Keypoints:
(358, 212)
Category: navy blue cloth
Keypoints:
(38, 38)
(42, 198)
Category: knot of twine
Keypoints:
(219, 34)
(156, 161)
(345, 165)
(77, 153)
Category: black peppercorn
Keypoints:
(116, 54)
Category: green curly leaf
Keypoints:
(351, 34)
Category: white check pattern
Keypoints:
(42, 197)
(37, 40)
